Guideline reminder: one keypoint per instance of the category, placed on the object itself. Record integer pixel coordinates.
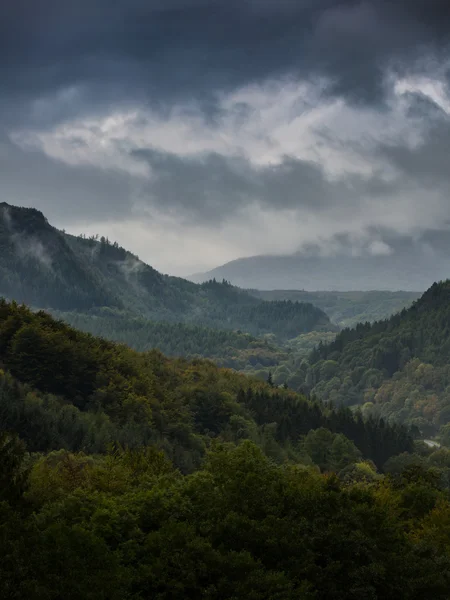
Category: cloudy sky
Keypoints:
(194, 132)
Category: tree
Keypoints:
(444, 435)
(13, 472)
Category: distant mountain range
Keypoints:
(47, 268)
(395, 263)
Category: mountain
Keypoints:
(398, 369)
(47, 268)
(393, 263)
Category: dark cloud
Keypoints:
(61, 59)
(208, 189)
(384, 242)
(426, 164)
(355, 42)
(162, 51)
(213, 188)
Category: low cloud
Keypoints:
(27, 246)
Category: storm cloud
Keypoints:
(171, 50)
(200, 131)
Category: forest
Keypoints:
(47, 268)
(347, 309)
(257, 356)
(62, 388)
(127, 524)
(393, 368)
(224, 312)
(233, 349)
(396, 369)
(138, 462)
(131, 475)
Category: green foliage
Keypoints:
(397, 369)
(241, 527)
(227, 348)
(444, 435)
(162, 478)
(167, 478)
(347, 309)
(67, 389)
(330, 451)
(364, 471)
(13, 472)
(303, 344)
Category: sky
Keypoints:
(194, 132)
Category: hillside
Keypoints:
(346, 309)
(401, 263)
(161, 478)
(232, 349)
(47, 268)
(397, 368)
(72, 390)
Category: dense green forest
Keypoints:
(128, 474)
(131, 475)
(61, 388)
(396, 368)
(47, 268)
(232, 349)
(129, 525)
(256, 356)
(347, 309)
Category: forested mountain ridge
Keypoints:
(47, 268)
(346, 309)
(397, 368)
(171, 479)
(70, 389)
(37, 265)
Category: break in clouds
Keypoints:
(195, 132)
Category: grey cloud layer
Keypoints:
(62, 60)
(213, 187)
(160, 51)
(427, 164)
(206, 189)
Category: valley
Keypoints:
(224, 300)
(121, 386)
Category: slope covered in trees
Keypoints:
(397, 368)
(38, 267)
(232, 349)
(128, 525)
(64, 388)
(346, 309)
(130, 475)
(47, 268)
(260, 357)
